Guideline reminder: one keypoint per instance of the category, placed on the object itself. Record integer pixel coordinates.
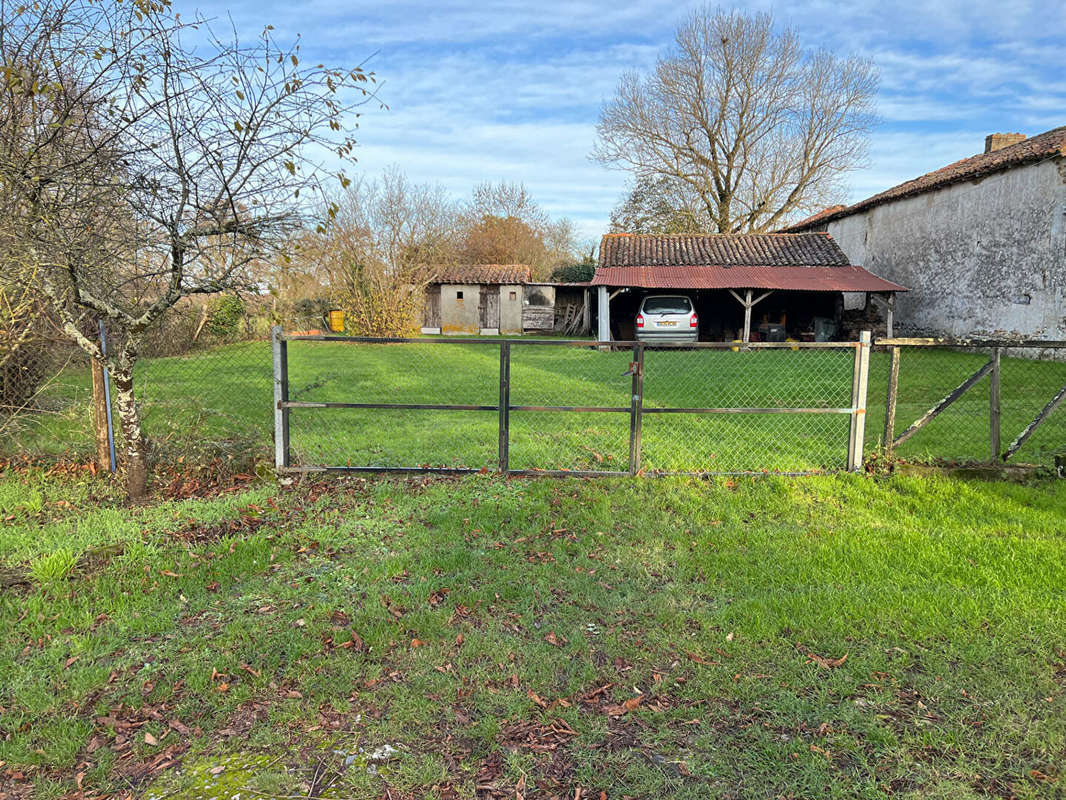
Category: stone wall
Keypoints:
(985, 257)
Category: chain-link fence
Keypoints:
(209, 403)
(574, 407)
(975, 402)
(570, 405)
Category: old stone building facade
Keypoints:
(980, 243)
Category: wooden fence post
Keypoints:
(505, 408)
(281, 395)
(636, 409)
(994, 405)
(859, 385)
(100, 410)
(890, 399)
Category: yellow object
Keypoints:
(336, 321)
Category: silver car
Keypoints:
(667, 318)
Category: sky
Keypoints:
(489, 91)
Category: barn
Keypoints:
(744, 287)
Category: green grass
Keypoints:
(231, 618)
(220, 401)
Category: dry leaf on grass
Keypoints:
(827, 663)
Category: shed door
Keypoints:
(489, 307)
(432, 312)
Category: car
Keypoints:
(667, 318)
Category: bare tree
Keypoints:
(504, 225)
(660, 205)
(152, 159)
(757, 127)
(381, 248)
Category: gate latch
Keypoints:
(634, 369)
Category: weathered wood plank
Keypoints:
(890, 398)
(932, 413)
(1016, 445)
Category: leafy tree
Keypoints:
(660, 205)
(744, 118)
(151, 159)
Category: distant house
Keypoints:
(742, 286)
(492, 299)
(981, 243)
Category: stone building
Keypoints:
(980, 243)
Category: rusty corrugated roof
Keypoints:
(810, 279)
(483, 273)
(1050, 144)
(725, 250)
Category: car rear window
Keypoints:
(667, 305)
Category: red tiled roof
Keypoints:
(809, 279)
(720, 250)
(814, 219)
(483, 273)
(1047, 145)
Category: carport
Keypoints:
(798, 276)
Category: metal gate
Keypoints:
(567, 407)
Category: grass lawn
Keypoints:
(836, 636)
(221, 401)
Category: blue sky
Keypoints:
(512, 90)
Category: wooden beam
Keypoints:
(890, 398)
(1054, 403)
(747, 315)
(603, 314)
(947, 401)
(994, 405)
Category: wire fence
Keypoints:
(715, 408)
(532, 406)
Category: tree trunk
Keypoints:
(133, 437)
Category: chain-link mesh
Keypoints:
(410, 373)
(962, 432)
(769, 385)
(219, 400)
(570, 377)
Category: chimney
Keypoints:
(997, 141)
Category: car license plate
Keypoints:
(667, 323)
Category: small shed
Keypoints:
(797, 281)
(493, 299)
(476, 298)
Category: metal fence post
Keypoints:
(505, 407)
(636, 412)
(890, 399)
(859, 384)
(280, 349)
(994, 406)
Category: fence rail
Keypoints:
(832, 381)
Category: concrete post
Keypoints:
(603, 314)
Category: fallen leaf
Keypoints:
(701, 660)
(169, 574)
(828, 663)
(149, 739)
(633, 702)
(70, 661)
(729, 636)
(217, 770)
(552, 639)
(417, 643)
(536, 698)
(292, 694)
(223, 687)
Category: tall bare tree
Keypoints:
(737, 111)
(152, 158)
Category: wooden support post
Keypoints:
(747, 315)
(603, 315)
(100, 413)
(586, 326)
(281, 395)
(859, 385)
(636, 411)
(505, 408)
(994, 405)
(890, 399)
